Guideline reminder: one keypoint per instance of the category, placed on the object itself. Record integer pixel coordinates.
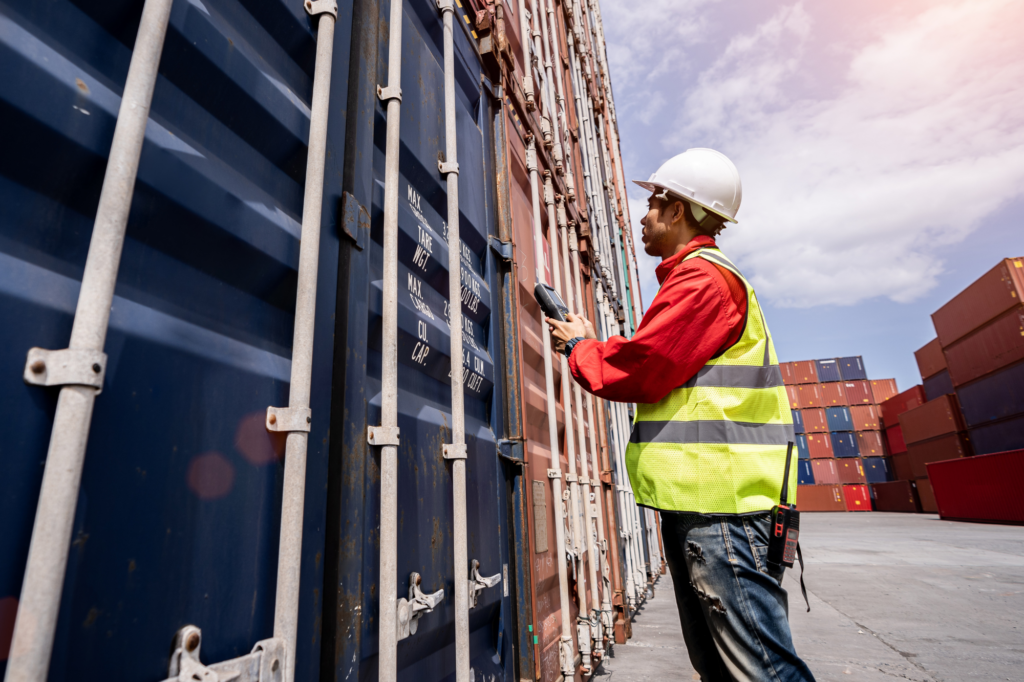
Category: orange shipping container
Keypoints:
(806, 371)
(819, 445)
(950, 446)
(833, 394)
(825, 471)
(870, 443)
(933, 419)
(859, 393)
(865, 417)
(930, 360)
(883, 389)
(794, 398)
(821, 498)
(788, 373)
(989, 296)
(808, 395)
(814, 420)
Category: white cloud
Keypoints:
(847, 197)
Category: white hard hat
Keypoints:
(701, 176)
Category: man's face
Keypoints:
(661, 224)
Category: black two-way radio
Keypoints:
(785, 531)
(550, 302)
(784, 542)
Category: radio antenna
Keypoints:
(785, 480)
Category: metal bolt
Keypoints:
(193, 642)
(38, 367)
(96, 367)
(272, 419)
(309, 420)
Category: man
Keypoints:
(709, 441)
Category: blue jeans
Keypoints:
(734, 612)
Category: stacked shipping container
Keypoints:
(839, 437)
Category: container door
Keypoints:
(425, 521)
(178, 514)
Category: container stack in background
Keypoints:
(840, 444)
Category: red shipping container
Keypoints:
(833, 395)
(819, 445)
(883, 389)
(892, 408)
(992, 294)
(788, 373)
(894, 440)
(930, 360)
(858, 497)
(859, 393)
(814, 421)
(950, 446)
(865, 417)
(820, 498)
(870, 444)
(901, 467)
(794, 401)
(981, 488)
(895, 496)
(806, 371)
(997, 345)
(851, 470)
(933, 419)
(926, 494)
(808, 395)
(825, 471)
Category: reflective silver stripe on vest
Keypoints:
(737, 376)
(712, 432)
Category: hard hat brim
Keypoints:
(658, 187)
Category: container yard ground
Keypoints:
(893, 596)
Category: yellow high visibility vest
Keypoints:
(717, 444)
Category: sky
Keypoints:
(880, 145)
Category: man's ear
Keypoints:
(678, 211)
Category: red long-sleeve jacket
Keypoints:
(699, 312)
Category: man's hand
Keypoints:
(562, 332)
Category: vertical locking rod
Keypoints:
(32, 644)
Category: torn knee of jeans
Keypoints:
(714, 603)
(695, 552)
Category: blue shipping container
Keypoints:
(997, 396)
(801, 447)
(845, 444)
(852, 368)
(828, 370)
(877, 469)
(839, 419)
(938, 385)
(1000, 436)
(805, 473)
(798, 421)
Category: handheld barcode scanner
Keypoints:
(550, 302)
(785, 532)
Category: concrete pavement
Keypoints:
(893, 596)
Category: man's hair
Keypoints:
(712, 225)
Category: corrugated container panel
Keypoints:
(805, 473)
(801, 447)
(892, 408)
(798, 421)
(839, 419)
(870, 443)
(819, 445)
(926, 494)
(950, 446)
(901, 467)
(808, 396)
(850, 470)
(896, 496)
(793, 396)
(844, 444)
(788, 373)
(992, 294)
(982, 488)
(894, 440)
(865, 418)
(805, 371)
(859, 393)
(181, 490)
(938, 384)
(935, 418)
(833, 394)
(821, 498)
(877, 470)
(858, 497)
(930, 359)
(814, 420)
(996, 345)
(1000, 436)
(852, 368)
(883, 389)
(994, 397)
(828, 370)
(825, 470)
